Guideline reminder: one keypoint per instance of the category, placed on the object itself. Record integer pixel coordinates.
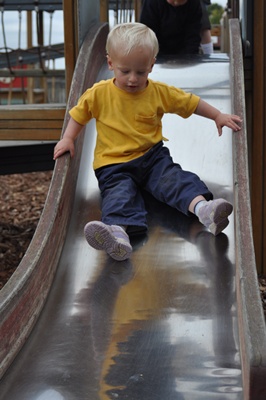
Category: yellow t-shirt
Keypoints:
(129, 124)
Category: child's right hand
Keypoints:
(63, 146)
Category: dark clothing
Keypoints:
(121, 187)
(177, 28)
(205, 21)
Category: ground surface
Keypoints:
(22, 197)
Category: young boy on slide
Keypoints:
(129, 153)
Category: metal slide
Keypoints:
(173, 322)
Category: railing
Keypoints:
(124, 10)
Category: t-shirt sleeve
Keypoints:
(183, 103)
(81, 112)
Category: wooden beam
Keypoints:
(31, 122)
(71, 40)
(137, 8)
(33, 134)
(34, 112)
(104, 10)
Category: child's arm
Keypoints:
(206, 110)
(67, 142)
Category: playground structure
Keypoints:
(28, 129)
(21, 69)
(23, 299)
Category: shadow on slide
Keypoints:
(182, 318)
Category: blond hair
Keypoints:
(131, 35)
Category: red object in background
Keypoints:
(16, 82)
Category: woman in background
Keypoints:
(176, 23)
(206, 39)
(181, 26)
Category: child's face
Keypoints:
(177, 3)
(131, 71)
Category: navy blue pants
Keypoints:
(121, 187)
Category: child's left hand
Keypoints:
(204, 109)
(229, 120)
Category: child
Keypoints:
(129, 155)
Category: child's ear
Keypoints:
(109, 63)
(154, 60)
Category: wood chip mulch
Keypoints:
(22, 197)
(262, 286)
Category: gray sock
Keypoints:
(198, 206)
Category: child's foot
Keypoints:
(111, 238)
(214, 215)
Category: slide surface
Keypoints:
(164, 324)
